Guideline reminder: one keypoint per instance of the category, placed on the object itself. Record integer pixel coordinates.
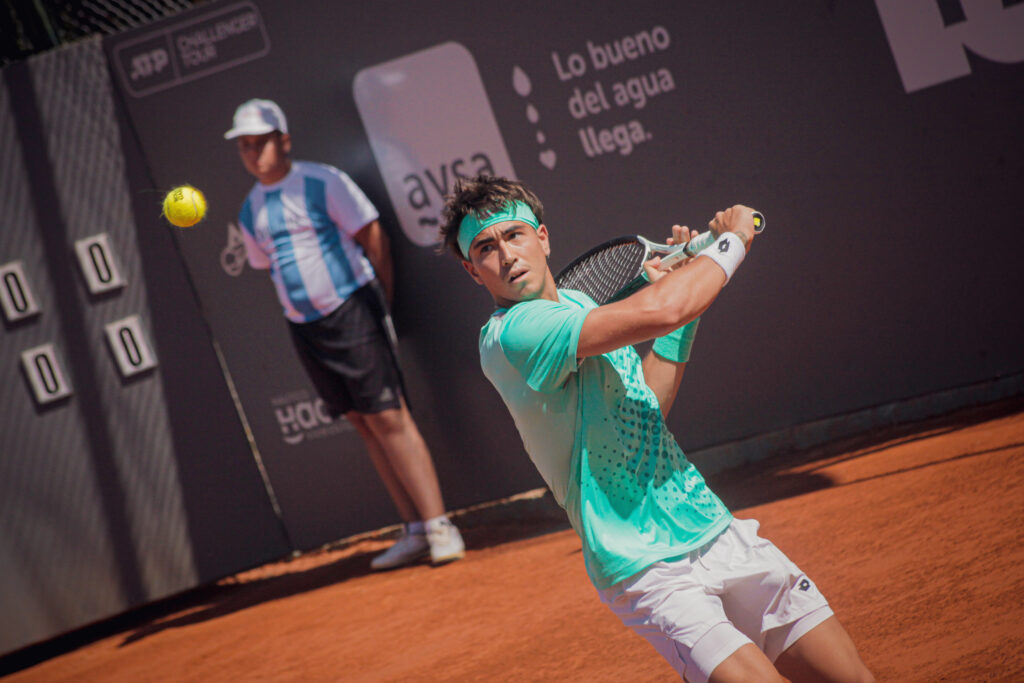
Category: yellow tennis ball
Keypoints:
(184, 206)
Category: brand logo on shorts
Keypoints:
(386, 395)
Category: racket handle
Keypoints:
(702, 242)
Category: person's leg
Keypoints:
(412, 544)
(407, 459)
(405, 505)
(825, 653)
(674, 606)
(350, 358)
(746, 664)
(770, 599)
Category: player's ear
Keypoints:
(542, 235)
(286, 143)
(471, 269)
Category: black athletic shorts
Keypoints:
(350, 354)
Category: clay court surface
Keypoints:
(915, 536)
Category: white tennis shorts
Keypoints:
(699, 609)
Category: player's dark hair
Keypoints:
(482, 195)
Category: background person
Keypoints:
(330, 262)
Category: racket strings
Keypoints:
(604, 273)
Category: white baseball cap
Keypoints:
(257, 117)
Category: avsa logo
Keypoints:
(430, 123)
(425, 191)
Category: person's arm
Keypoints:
(663, 377)
(375, 243)
(258, 259)
(672, 300)
(354, 214)
(665, 363)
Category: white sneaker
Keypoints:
(408, 548)
(445, 542)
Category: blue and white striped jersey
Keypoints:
(301, 228)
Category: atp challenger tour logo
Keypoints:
(182, 51)
(429, 123)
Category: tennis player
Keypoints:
(716, 600)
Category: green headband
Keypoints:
(472, 224)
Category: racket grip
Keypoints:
(706, 239)
(699, 244)
(702, 242)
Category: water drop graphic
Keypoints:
(521, 82)
(532, 115)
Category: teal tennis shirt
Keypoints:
(595, 432)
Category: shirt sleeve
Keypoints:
(258, 259)
(347, 205)
(539, 339)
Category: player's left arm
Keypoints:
(663, 377)
(377, 247)
(662, 374)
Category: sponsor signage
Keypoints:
(184, 51)
(429, 122)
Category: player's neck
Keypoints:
(549, 293)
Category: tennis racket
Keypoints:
(615, 269)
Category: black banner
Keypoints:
(883, 143)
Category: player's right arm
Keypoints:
(671, 301)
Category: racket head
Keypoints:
(615, 269)
(612, 270)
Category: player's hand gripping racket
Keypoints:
(615, 269)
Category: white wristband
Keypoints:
(727, 251)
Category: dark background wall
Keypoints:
(864, 291)
(882, 142)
